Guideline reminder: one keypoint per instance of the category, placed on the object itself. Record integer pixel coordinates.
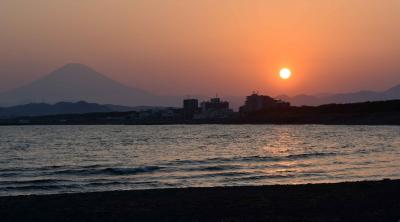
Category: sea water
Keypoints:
(64, 159)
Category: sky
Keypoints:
(229, 47)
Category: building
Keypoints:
(214, 109)
(256, 102)
(214, 104)
(190, 104)
(190, 107)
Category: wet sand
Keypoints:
(352, 201)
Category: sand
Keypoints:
(351, 201)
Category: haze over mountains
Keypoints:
(77, 82)
(361, 96)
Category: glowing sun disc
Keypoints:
(285, 73)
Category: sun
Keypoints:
(285, 73)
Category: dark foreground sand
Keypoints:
(358, 201)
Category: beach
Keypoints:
(349, 201)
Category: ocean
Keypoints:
(66, 159)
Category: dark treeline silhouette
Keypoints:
(43, 109)
(380, 112)
(367, 113)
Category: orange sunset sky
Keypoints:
(181, 47)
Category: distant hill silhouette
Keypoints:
(366, 113)
(82, 107)
(75, 82)
(355, 97)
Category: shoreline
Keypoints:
(212, 123)
(364, 113)
(345, 201)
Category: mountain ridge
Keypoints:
(340, 98)
(41, 109)
(75, 82)
(81, 107)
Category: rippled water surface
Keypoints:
(60, 159)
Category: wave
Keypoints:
(309, 155)
(40, 187)
(41, 168)
(212, 175)
(259, 177)
(128, 171)
(111, 170)
(212, 168)
(253, 158)
(67, 171)
(11, 174)
(210, 164)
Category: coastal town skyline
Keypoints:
(199, 110)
